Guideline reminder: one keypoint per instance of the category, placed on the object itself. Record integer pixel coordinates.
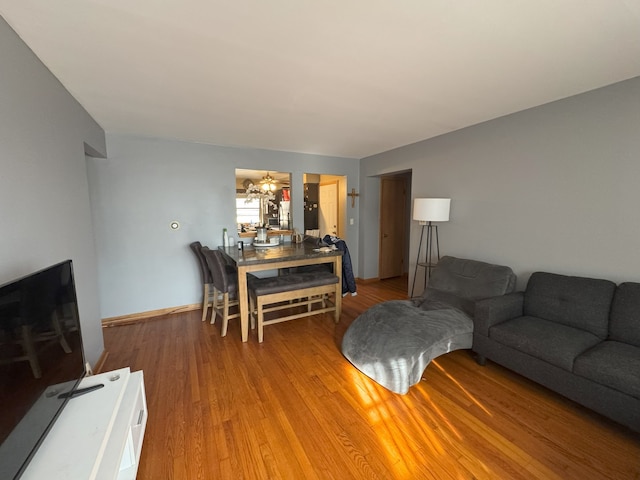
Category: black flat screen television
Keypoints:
(41, 360)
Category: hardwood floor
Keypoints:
(294, 408)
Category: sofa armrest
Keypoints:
(492, 311)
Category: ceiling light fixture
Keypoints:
(268, 182)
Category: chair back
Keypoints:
(219, 272)
(205, 274)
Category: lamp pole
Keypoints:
(428, 263)
(415, 272)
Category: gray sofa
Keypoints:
(393, 342)
(577, 336)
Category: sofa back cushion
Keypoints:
(460, 282)
(574, 301)
(625, 314)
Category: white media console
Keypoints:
(98, 435)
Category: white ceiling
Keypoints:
(338, 77)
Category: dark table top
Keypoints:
(251, 255)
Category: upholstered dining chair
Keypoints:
(207, 283)
(225, 287)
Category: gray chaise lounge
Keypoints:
(394, 341)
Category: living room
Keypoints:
(550, 187)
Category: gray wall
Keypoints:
(44, 196)
(146, 183)
(553, 188)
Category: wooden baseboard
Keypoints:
(366, 281)
(142, 316)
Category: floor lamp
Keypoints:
(425, 211)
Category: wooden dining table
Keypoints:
(285, 255)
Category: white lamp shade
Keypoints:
(431, 209)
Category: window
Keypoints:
(247, 212)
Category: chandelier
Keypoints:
(268, 183)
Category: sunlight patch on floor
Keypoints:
(419, 426)
(393, 440)
(404, 433)
(435, 414)
(464, 390)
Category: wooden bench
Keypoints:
(273, 294)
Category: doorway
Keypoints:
(394, 225)
(325, 204)
(328, 218)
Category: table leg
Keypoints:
(337, 268)
(243, 300)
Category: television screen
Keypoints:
(41, 360)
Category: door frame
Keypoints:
(337, 185)
(406, 176)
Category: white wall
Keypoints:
(44, 197)
(146, 183)
(553, 188)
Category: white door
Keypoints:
(328, 214)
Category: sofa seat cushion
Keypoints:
(614, 364)
(552, 342)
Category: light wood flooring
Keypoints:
(294, 408)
